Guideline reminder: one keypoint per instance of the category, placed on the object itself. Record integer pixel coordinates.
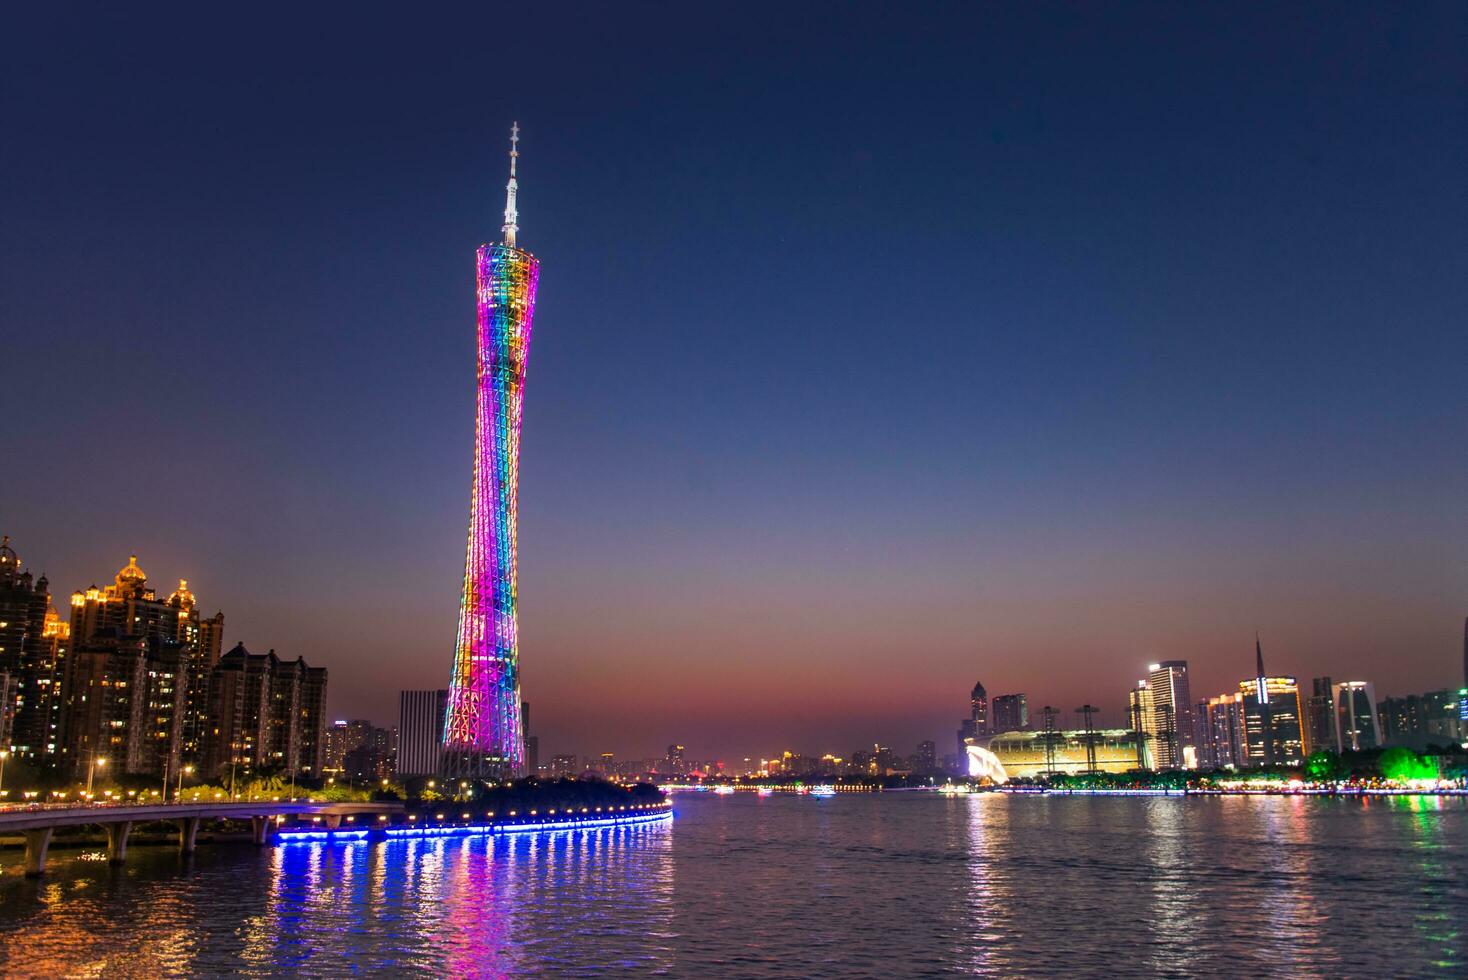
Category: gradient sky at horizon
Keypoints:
(877, 352)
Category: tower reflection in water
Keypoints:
(469, 906)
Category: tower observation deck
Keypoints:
(483, 734)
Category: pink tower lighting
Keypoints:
(483, 734)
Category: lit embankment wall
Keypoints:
(458, 822)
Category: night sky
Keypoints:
(877, 352)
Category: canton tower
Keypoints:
(483, 736)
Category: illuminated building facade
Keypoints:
(127, 676)
(1221, 742)
(420, 731)
(483, 730)
(1272, 734)
(1172, 709)
(33, 647)
(1024, 753)
(977, 722)
(1144, 724)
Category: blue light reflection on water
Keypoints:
(472, 905)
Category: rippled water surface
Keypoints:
(890, 885)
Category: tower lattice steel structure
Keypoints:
(483, 734)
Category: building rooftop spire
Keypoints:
(1258, 656)
(512, 216)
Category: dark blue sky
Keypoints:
(877, 350)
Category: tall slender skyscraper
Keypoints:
(483, 733)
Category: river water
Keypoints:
(889, 885)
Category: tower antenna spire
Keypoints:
(512, 216)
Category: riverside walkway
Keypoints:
(37, 822)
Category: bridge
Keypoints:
(39, 822)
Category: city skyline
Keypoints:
(1177, 361)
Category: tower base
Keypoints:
(469, 764)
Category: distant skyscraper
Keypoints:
(976, 725)
(1320, 733)
(1172, 707)
(1356, 723)
(979, 709)
(483, 736)
(420, 731)
(1011, 713)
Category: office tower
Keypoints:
(264, 712)
(33, 647)
(1320, 731)
(1356, 723)
(976, 725)
(125, 683)
(482, 731)
(1010, 713)
(979, 710)
(1272, 713)
(1143, 722)
(562, 766)
(1172, 707)
(420, 731)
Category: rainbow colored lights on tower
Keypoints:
(483, 733)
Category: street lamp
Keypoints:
(92, 770)
(178, 793)
(4, 754)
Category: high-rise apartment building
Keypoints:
(483, 736)
(1222, 733)
(127, 676)
(1356, 724)
(420, 732)
(1011, 713)
(33, 647)
(264, 713)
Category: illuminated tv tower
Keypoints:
(483, 735)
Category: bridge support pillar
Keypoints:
(36, 843)
(188, 833)
(333, 821)
(117, 840)
(259, 829)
